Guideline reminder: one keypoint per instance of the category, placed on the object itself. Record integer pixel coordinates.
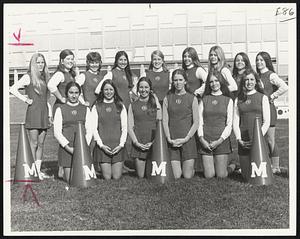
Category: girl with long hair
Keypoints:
(39, 113)
(217, 61)
(142, 118)
(195, 72)
(122, 77)
(110, 130)
(249, 104)
(180, 122)
(215, 117)
(273, 88)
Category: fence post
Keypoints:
(15, 76)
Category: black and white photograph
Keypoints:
(149, 119)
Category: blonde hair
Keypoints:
(35, 75)
(221, 58)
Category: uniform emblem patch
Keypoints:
(74, 112)
(144, 108)
(214, 102)
(108, 109)
(124, 77)
(248, 102)
(157, 78)
(95, 79)
(178, 101)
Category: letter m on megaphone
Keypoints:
(89, 173)
(261, 171)
(158, 170)
(29, 171)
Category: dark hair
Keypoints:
(179, 72)
(117, 98)
(245, 59)
(223, 83)
(151, 104)
(193, 54)
(71, 84)
(267, 59)
(93, 57)
(127, 68)
(62, 55)
(242, 96)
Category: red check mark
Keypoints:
(19, 35)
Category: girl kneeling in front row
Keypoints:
(181, 121)
(110, 130)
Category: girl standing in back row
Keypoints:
(158, 74)
(196, 74)
(216, 61)
(273, 88)
(38, 114)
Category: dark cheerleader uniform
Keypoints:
(70, 115)
(249, 110)
(89, 86)
(269, 88)
(109, 129)
(37, 113)
(193, 82)
(180, 113)
(160, 83)
(62, 88)
(238, 79)
(121, 82)
(214, 122)
(144, 127)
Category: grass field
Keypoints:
(138, 204)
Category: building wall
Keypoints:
(140, 29)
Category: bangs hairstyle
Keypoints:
(179, 72)
(35, 75)
(161, 55)
(63, 54)
(71, 84)
(242, 91)
(93, 57)
(267, 58)
(245, 59)
(221, 58)
(128, 72)
(151, 103)
(117, 98)
(193, 54)
(223, 83)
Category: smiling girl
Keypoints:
(250, 103)
(196, 74)
(216, 61)
(181, 121)
(215, 111)
(142, 117)
(38, 114)
(158, 74)
(110, 122)
(65, 125)
(273, 88)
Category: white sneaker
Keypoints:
(276, 170)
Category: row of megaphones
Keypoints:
(158, 165)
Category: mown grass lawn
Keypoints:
(138, 204)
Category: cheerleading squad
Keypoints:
(198, 108)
